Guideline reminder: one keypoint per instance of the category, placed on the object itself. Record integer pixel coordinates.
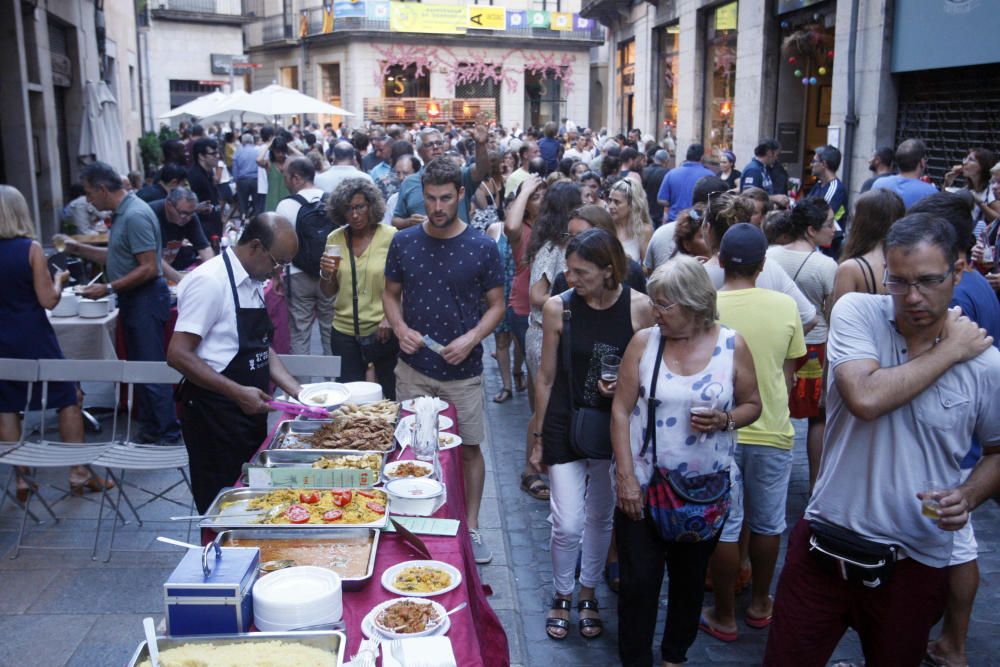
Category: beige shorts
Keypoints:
(466, 395)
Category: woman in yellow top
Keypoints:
(353, 269)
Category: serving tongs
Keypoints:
(299, 409)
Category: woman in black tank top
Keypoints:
(594, 319)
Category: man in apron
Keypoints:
(221, 344)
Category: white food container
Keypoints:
(297, 597)
(94, 308)
(364, 392)
(324, 395)
(416, 496)
(68, 306)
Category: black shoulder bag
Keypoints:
(590, 428)
(372, 349)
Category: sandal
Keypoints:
(519, 381)
(504, 395)
(535, 486)
(93, 485)
(590, 624)
(556, 623)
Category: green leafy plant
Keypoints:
(150, 151)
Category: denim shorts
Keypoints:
(734, 522)
(766, 472)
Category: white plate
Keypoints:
(390, 575)
(407, 405)
(369, 628)
(451, 440)
(389, 471)
(331, 394)
(444, 423)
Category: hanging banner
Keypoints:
(580, 23)
(377, 10)
(517, 20)
(327, 17)
(303, 23)
(726, 16)
(347, 9)
(538, 19)
(435, 19)
(562, 21)
(487, 18)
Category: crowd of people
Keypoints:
(668, 317)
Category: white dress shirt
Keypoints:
(205, 308)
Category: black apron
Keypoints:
(219, 436)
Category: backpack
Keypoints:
(312, 226)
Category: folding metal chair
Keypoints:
(53, 453)
(308, 366)
(19, 370)
(131, 456)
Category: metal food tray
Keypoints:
(226, 537)
(291, 430)
(275, 458)
(237, 498)
(334, 643)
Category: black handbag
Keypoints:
(590, 428)
(372, 349)
(852, 557)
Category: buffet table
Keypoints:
(476, 634)
(86, 337)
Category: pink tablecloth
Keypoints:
(476, 634)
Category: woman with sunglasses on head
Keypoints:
(686, 359)
(630, 213)
(361, 335)
(573, 384)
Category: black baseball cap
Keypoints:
(743, 244)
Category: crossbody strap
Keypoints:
(564, 339)
(354, 281)
(653, 402)
(799, 270)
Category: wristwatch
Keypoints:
(730, 422)
(111, 290)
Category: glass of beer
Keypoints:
(334, 250)
(930, 505)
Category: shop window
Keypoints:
(625, 83)
(668, 68)
(183, 91)
(720, 76)
(289, 77)
(404, 82)
(542, 99)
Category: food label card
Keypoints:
(426, 525)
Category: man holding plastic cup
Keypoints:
(911, 384)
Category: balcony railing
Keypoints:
(279, 28)
(225, 7)
(406, 110)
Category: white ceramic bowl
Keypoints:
(324, 394)
(389, 472)
(416, 496)
(364, 392)
(296, 597)
(68, 306)
(94, 308)
(388, 633)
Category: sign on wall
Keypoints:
(435, 19)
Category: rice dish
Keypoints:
(245, 654)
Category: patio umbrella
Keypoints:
(220, 110)
(276, 100)
(197, 108)
(101, 133)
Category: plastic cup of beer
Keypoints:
(610, 363)
(930, 504)
(334, 250)
(59, 243)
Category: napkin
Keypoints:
(426, 651)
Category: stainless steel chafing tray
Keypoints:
(334, 643)
(289, 436)
(229, 510)
(257, 536)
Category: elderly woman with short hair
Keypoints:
(691, 358)
(361, 334)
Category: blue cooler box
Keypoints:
(209, 592)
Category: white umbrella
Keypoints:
(101, 133)
(198, 107)
(277, 100)
(220, 109)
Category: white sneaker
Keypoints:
(481, 552)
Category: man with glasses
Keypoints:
(222, 346)
(184, 240)
(410, 207)
(911, 383)
(202, 180)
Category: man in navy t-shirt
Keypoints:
(825, 164)
(677, 188)
(437, 274)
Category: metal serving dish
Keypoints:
(289, 435)
(236, 514)
(334, 643)
(275, 458)
(259, 537)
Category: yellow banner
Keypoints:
(487, 18)
(561, 21)
(435, 19)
